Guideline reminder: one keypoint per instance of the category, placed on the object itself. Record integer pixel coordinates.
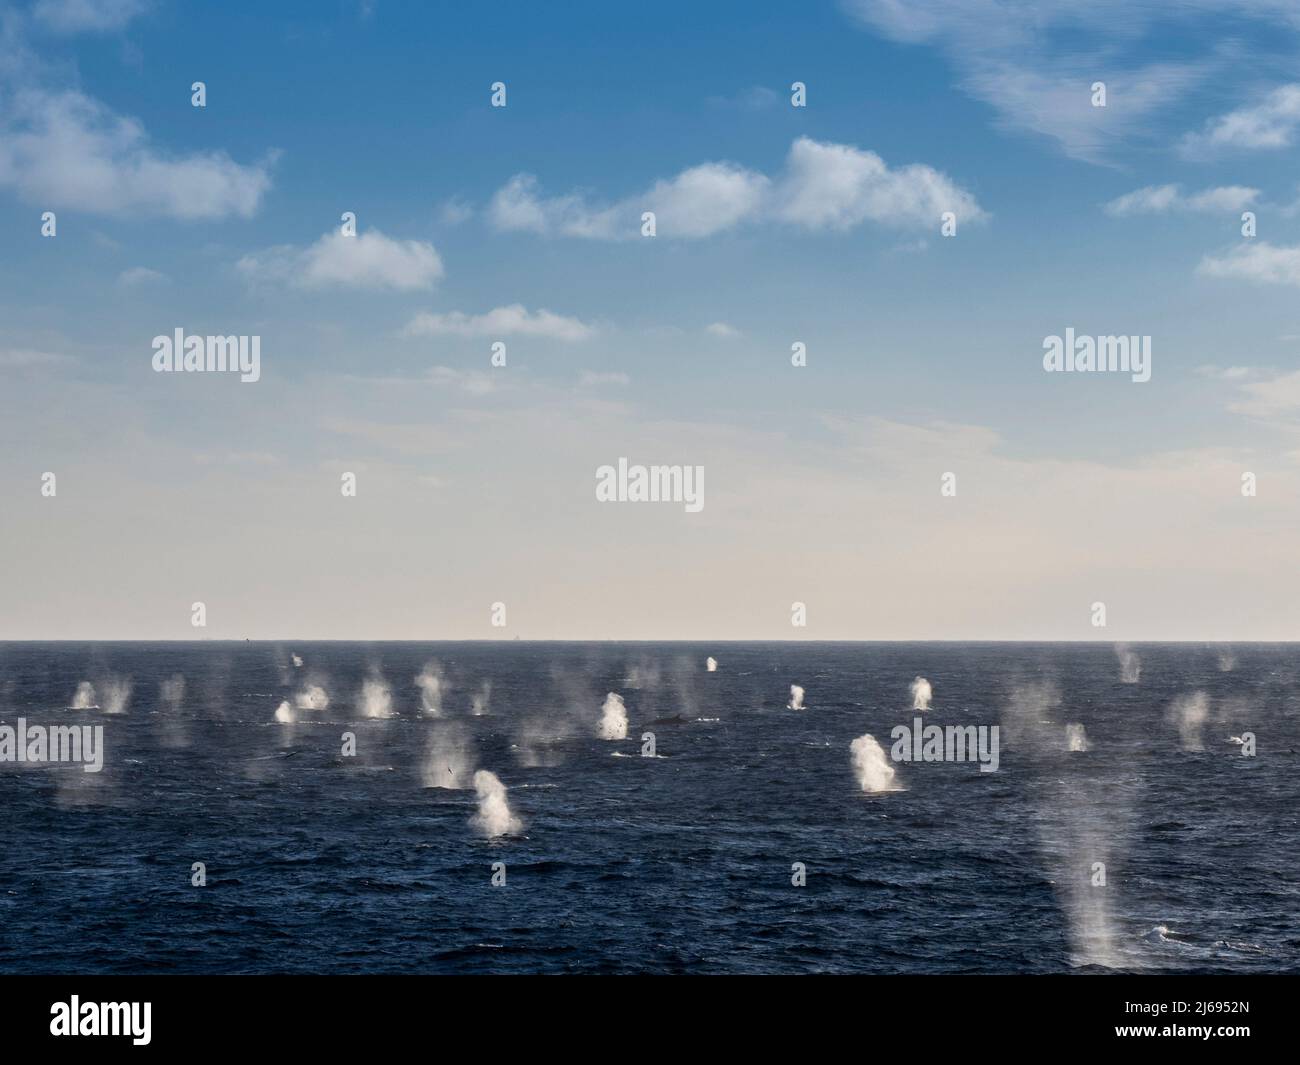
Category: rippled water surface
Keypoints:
(325, 862)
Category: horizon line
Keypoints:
(652, 640)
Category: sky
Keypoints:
(775, 225)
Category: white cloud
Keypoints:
(514, 320)
(65, 149)
(1257, 261)
(1271, 123)
(705, 199)
(367, 260)
(722, 329)
(823, 186)
(1034, 61)
(518, 205)
(1161, 199)
(86, 16)
(754, 98)
(1270, 399)
(139, 275)
(835, 186)
(698, 202)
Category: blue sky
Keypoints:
(777, 224)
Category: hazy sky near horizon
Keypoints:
(776, 225)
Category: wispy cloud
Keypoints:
(65, 149)
(1271, 399)
(87, 16)
(1034, 61)
(1225, 373)
(722, 329)
(823, 186)
(1163, 199)
(369, 260)
(1257, 261)
(512, 320)
(753, 98)
(697, 202)
(139, 275)
(470, 382)
(1271, 123)
(455, 211)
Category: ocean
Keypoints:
(216, 839)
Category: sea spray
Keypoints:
(376, 699)
(550, 720)
(685, 678)
(116, 693)
(920, 742)
(312, 697)
(922, 693)
(613, 718)
(1083, 833)
(481, 699)
(644, 676)
(796, 698)
(449, 760)
(286, 666)
(538, 743)
(171, 691)
(1188, 714)
(84, 699)
(871, 765)
(711, 664)
(494, 817)
(1130, 665)
(172, 729)
(284, 713)
(1076, 739)
(430, 684)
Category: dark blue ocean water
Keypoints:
(317, 862)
